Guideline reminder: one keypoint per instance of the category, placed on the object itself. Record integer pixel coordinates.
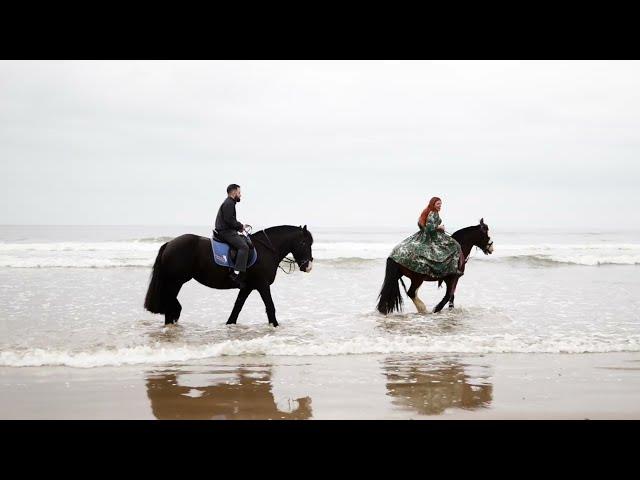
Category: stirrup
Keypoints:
(236, 280)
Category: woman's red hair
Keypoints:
(425, 213)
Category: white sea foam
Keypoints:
(142, 253)
(65, 262)
(130, 246)
(288, 346)
(577, 254)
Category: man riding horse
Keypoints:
(190, 256)
(228, 228)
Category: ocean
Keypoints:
(72, 296)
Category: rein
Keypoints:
(290, 262)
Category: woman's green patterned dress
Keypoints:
(429, 252)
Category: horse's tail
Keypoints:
(153, 301)
(390, 298)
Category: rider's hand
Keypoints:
(441, 227)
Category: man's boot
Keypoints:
(236, 279)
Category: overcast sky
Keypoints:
(340, 143)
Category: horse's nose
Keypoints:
(309, 267)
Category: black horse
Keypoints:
(249, 396)
(390, 299)
(190, 256)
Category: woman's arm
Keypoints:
(431, 225)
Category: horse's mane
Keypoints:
(280, 229)
(460, 233)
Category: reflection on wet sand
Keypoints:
(226, 394)
(430, 385)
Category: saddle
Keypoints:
(225, 255)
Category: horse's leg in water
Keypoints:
(412, 293)
(242, 297)
(173, 309)
(265, 293)
(453, 292)
(449, 282)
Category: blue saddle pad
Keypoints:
(222, 258)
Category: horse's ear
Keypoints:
(304, 229)
(482, 221)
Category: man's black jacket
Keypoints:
(226, 219)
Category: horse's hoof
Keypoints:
(275, 324)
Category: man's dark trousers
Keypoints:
(239, 242)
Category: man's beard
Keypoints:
(237, 199)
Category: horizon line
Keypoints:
(514, 227)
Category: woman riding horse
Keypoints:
(430, 255)
(430, 251)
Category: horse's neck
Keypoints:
(466, 249)
(466, 242)
(280, 242)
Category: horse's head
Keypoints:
(301, 250)
(483, 240)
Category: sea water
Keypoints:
(73, 295)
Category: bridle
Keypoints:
(488, 245)
(289, 262)
(484, 250)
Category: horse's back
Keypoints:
(182, 244)
(181, 254)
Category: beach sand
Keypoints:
(398, 386)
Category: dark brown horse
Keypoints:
(390, 299)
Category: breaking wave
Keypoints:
(141, 253)
(160, 353)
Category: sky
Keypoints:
(524, 144)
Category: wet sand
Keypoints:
(497, 386)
